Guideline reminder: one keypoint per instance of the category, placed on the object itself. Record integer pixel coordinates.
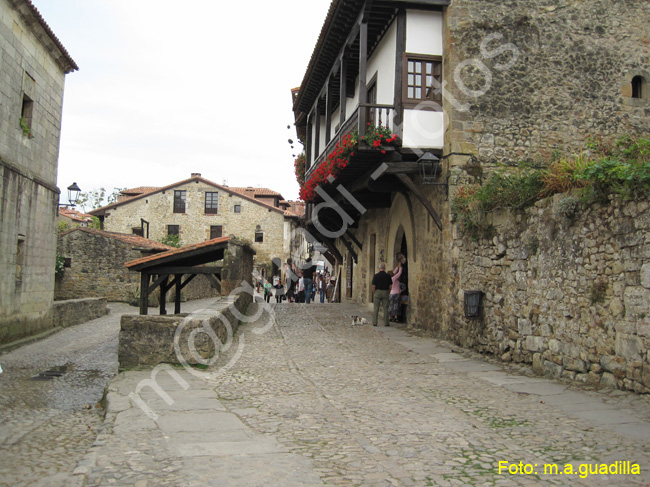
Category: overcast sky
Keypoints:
(165, 89)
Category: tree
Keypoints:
(96, 198)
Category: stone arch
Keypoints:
(401, 221)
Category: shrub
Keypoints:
(171, 240)
(562, 175)
(622, 170)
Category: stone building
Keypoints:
(467, 85)
(33, 63)
(73, 218)
(197, 209)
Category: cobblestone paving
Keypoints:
(368, 411)
(46, 425)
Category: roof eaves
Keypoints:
(29, 12)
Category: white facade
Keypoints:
(421, 126)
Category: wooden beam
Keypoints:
(328, 111)
(343, 88)
(188, 270)
(163, 295)
(363, 55)
(144, 294)
(178, 278)
(408, 182)
(401, 168)
(354, 239)
(349, 247)
(398, 118)
(216, 283)
(187, 281)
(161, 278)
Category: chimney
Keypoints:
(196, 174)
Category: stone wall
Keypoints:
(572, 298)
(557, 73)
(76, 311)
(97, 270)
(149, 340)
(157, 208)
(27, 252)
(28, 167)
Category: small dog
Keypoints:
(358, 320)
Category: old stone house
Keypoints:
(73, 218)
(467, 86)
(33, 63)
(197, 209)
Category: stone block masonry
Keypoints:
(570, 298)
(149, 340)
(539, 77)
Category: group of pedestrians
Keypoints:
(300, 284)
(389, 293)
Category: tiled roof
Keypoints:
(102, 210)
(32, 11)
(255, 191)
(177, 251)
(139, 190)
(297, 207)
(75, 215)
(130, 239)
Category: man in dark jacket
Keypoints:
(381, 283)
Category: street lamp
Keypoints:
(73, 195)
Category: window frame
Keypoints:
(180, 195)
(261, 235)
(432, 98)
(170, 232)
(213, 209)
(638, 87)
(220, 227)
(237, 208)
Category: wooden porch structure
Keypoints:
(176, 268)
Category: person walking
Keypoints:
(381, 283)
(267, 291)
(321, 288)
(290, 279)
(308, 277)
(395, 293)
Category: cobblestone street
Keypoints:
(319, 401)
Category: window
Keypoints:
(26, 116)
(139, 231)
(420, 73)
(216, 231)
(637, 87)
(179, 201)
(237, 208)
(173, 229)
(259, 237)
(211, 203)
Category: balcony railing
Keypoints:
(363, 116)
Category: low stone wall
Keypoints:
(76, 311)
(570, 297)
(149, 340)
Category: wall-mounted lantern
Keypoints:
(73, 195)
(430, 169)
(473, 304)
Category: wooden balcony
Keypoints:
(364, 115)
